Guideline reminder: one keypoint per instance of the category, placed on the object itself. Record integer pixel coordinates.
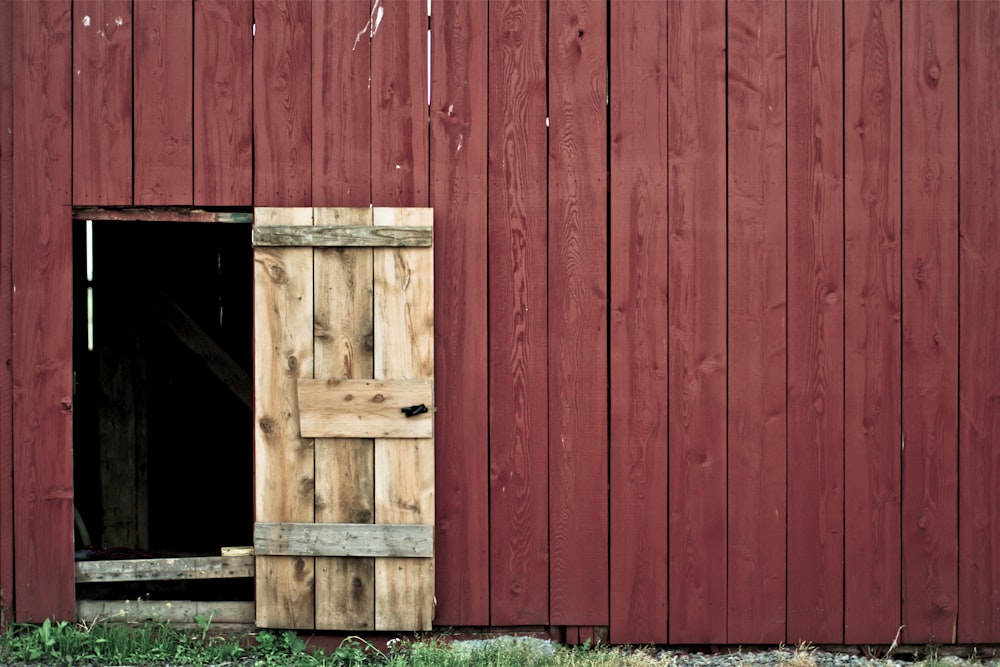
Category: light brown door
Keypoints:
(344, 418)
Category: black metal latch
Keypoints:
(414, 410)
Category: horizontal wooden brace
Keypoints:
(344, 539)
(365, 408)
(161, 214)
(345, 236)
(165, 569)
(175, 611)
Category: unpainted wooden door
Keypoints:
(344, 418)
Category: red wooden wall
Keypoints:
(717, 284)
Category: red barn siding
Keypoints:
(716, 315)
(458, 166)
(41, 276)
(979, 309)
(815, 385)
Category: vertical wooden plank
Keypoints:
(399, 159)
(282, 103)
(872, 312)
(6, 334)
(404, 469)
(345, 482)
(756, 315)
(223, 103)
(696, 65)
(815, 323)
(102, 102)
(283, 462)
(639, 332)
(341, 98)
(517, 314)
(578, 334)
(979, 306)
(164, 125)
(399, 155)
(930, 321)
(42, 307)
(341, 120)
(458, 144)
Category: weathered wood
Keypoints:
(344, 539)
(979, 322)
(930, 321)
(102, 102)
(122, 424)
(345, 468)
(330, 237)
(161, 214)
(163, 101)
(171, 611)
(458, 145)
(284, 465)
(199, 342)
(364, 408)
(341, 102)
(815, 568)
(518, 395)
(233, 552)
(404, 468)
(41, 271)
(756, 322)
(164, 569)
(639, 327)
(577, 313)
(871, 330)
(282, 103)
(223, 103)
(696, 68)
(6, 332)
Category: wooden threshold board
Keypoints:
(165, 569)
(175, 611)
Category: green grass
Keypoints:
(156, 643)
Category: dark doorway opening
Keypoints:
(163, 431)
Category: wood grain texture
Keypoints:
(458, 159)
(815, 459)
(341, 99)
(102, 102)
(398, 148)
(163, 92)
(639, 326)
(6, 329)
(346, 235)
(979, 306)
(404, 468)
(283, 461)
(223, 103)
(696, 64)
(173, 612)
(165, 569)
(872, 322)
(930, 321)
(345, 468)
(42, 307)
(756, 322)
(578, 334)
(344, 539)
(282, 103)
(365, 408)
(519, 558)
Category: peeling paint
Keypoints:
(461, 138)
(451, 109)
(86, 21)
(119, 20)
(371, 26)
